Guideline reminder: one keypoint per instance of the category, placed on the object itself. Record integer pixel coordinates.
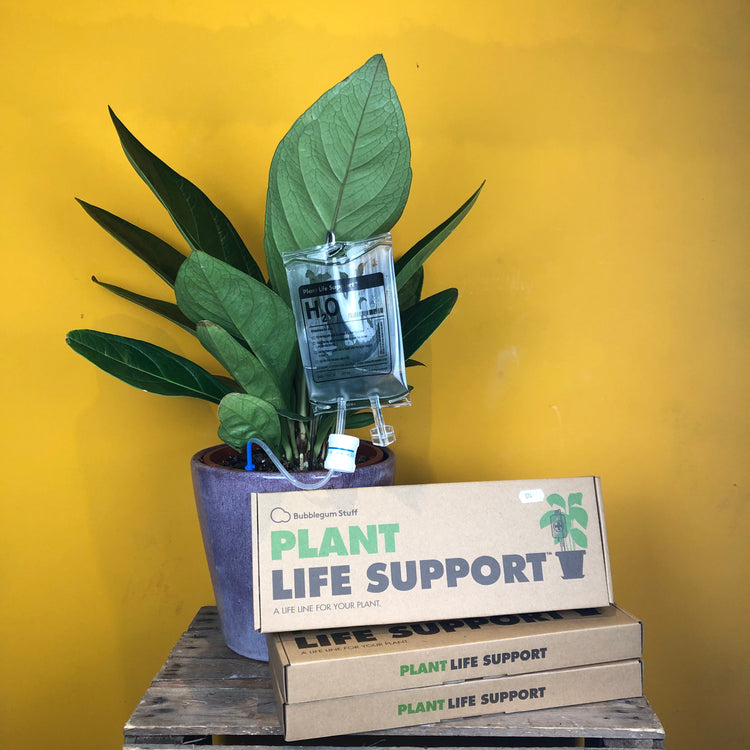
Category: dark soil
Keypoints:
(260, 459)
(263, 463)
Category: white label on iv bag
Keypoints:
(346, 326)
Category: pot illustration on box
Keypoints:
(564, 519)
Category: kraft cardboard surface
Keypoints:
(323, 664)
(335, 558)
(398, 708)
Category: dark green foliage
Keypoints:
(354, 141)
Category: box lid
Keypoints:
(334, 558)
(321, 664)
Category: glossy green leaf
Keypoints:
(411, 292)
(325, 426)
(244, 366)
(579, 538)
(201, 223)
(208, 289)
(232, 385)
(412, 261)
(359, 419)
(161, 257)
(168, 310)
(420, 321)
(244, 417)
(146, 366)
(293, 415)
(342, 167)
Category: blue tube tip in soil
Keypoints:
(250, 466)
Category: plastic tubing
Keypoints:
(340, 415)
(301, 485)
(340, 421)
(382, 433)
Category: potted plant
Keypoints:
(562, 521)
(343, 168)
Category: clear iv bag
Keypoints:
(345, 306)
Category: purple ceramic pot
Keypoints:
(222, 496)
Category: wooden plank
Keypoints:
(201, 710)
(628, 744)
(203, 638)
(630, 718)
(166, 743)
(228, 744)
(209, 672)
(201, 657)
(245, 711)
(244, 746)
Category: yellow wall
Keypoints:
(601, 327)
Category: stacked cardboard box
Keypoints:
(460, 566)
(341, 681)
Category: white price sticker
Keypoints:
(531, 496)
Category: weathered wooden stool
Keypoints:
(206, 694)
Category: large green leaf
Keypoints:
(411, 292)
(293, 416)
(409, 263)
(146, 366)
(420, 321)
(244, 366)
(168, 310)
(359, 419)
(157, 254)
(244, 417)
(202, 224)
(208, 289)
(342, 167)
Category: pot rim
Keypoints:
(206, 457)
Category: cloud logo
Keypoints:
(279, 515)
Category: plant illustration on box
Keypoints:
(563, 521)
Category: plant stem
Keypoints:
(303, 408)
(324, 429)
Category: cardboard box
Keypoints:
(335, 558)
(397, 708)
(318, 665)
